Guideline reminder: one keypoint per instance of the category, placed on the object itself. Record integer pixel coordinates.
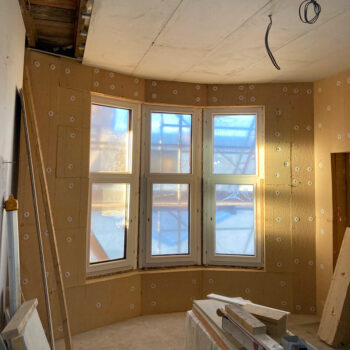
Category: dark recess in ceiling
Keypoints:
(57, 26)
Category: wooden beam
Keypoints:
(275, 320)
(81, 24)
(25, 331)
(34, 135)
(210, 330)
(28, 23)
(246, 319)
(18, 322)
(52, 14)
(335, 322)
(63, 4)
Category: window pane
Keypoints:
(234, 221)
(234, 139)
(109, 221)
(170, 219)
(110, 139)
(171, 143)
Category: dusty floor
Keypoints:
(167, 332)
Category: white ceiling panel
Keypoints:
(218, 41)
(122, 31)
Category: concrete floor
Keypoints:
(167, 332)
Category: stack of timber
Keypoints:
(275, 320)
(217, 321)
(335, 322)
(246, 329)
(236, 323)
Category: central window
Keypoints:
(200, 174)
(170, 187)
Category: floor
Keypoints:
(167, 332)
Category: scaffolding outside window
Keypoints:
(170, 189)
(175, 181)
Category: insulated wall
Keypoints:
(332, 135)
(62, 90)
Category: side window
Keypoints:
(114, 177)
(233, 185)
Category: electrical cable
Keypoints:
(303, 11)
(267, 44)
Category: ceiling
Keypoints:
(218, 41)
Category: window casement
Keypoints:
(113, 185)
(233, 174)
(170, 215)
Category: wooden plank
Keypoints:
(248, 340)
(52, 14)
(64, 4)
(335, 322)
(207, 309)
(47, 207)
(53, 29)
(25, 331)
(209, 329)
(266, 314)
(241, 301)
(275, 321)
(246, 319)
(28, 23)
(18, 322)
(80, 24)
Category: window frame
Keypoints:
(146, 259)
(132, 179)
(210, 180)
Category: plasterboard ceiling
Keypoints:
(218, 41)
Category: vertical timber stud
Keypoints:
(34, 136)
(37, 222)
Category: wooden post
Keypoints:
(335, 322)
(37, 223)
(34, 135)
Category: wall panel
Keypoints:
(332, 135)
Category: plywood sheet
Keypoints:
(175, 93)
(160, 292)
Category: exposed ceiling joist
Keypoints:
(56, 26)
(28, 23)
(64, 4)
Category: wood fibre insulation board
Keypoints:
(332, 127)
(170, 291)
(335, 322)
(271, 289)
(175, 93)
(62, 90)
(116, 84)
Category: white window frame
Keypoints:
(210, 180)
(132, 178)
(193, 179)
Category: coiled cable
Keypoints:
(267, 45)
(304, 8)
